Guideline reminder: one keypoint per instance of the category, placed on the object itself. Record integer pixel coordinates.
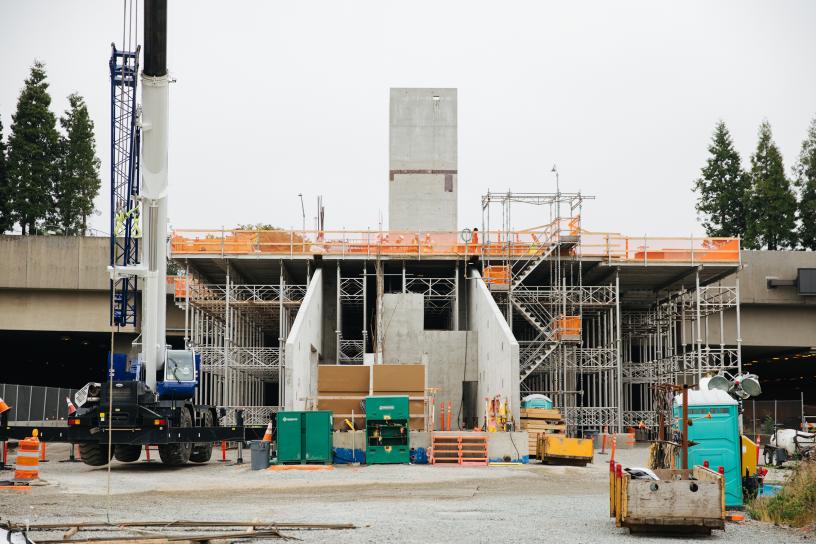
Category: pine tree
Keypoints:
(32, 154)
(723, 189)
(805, 171)
(773, 204)
(6, 220)
(78, 182)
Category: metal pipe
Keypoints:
(618, 351)
(684, 445)
(739, 330)
(155, 31)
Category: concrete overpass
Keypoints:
(778, 323)
(54, 310)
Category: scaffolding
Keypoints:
(598, 344)
(596, 358)
(239, 329)
(352, 303)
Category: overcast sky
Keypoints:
(276, 98)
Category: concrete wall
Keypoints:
(303, 346)
(423, 184)
(68, 310)
(54, 262)
(766, 326)
(762, 265)
(498, 359)
(61, 283)
(449, 356)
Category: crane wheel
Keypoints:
(178, 454)
(94, 454)
(202, 452)
(127, 453)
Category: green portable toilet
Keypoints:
(304, 437)
(717, 436)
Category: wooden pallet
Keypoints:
(537, 421)
(469, 449)
(540, 413)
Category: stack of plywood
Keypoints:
(540, 420)
(343, 388)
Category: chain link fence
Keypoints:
(761, 417)
(36, 403)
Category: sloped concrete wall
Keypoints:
(303, 347)
(498, 359)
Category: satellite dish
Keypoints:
(750, 384)
(720, 382)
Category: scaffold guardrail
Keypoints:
(495, 244)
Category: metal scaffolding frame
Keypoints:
(239, 329)
(597, 361)
(352, 297)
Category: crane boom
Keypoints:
(155, 98)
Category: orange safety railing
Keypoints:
(522, 244)
(497, 275)
(179, 284)
(566, 327)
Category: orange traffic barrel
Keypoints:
(27, 467)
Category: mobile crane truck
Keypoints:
(150, 400)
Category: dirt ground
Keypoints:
(406, 503)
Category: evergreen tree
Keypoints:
(773, 204)
(6, 221)
(723, 189)
(32, 154)
(805, 172)
(78, 182)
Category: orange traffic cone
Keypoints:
(3, 406)
(268, 434)
(71, 407)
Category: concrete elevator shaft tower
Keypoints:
(423, 176)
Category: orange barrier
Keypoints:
(497, 275)
(567, 327)
(27, 467)
(515, 245)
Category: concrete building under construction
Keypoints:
(589, 319)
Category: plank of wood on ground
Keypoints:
(541, 413)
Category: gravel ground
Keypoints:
(388, 503)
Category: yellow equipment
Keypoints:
(560, 449)
(750, 454)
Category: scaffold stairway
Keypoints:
(533, 263)
(530, 362)
(545, 343)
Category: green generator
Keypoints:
(304, 437)
(387, 431)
